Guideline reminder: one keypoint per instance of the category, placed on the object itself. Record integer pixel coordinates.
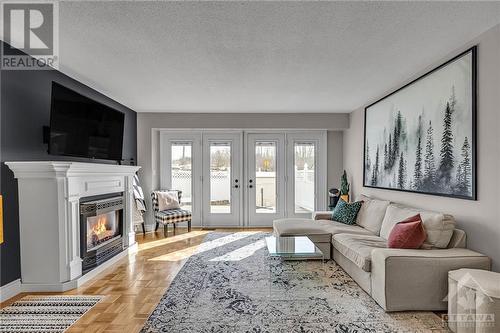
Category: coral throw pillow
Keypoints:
(407, 234)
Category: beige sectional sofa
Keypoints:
(397, 279)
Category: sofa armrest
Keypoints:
(405, 280)
(322, 215)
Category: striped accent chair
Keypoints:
(170, 216)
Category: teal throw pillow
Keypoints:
(346, 212)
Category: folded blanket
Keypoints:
(139, 195)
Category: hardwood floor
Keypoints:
(134, 285)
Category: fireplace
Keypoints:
(101, 229)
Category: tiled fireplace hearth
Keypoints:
(75, 220)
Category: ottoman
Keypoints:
(473, 301)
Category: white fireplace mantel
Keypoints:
(49, 218)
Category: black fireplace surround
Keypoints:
(101, 229)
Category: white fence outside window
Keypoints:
(221, 186)
(304, 189)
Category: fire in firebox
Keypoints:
(101, 228)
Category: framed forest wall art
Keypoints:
(421, 138)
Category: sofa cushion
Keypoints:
(335, 227)
(439, 227)
(459, 239)
(322, 215)
(371, 213)
(321, 229)
(302, 227)
(358, 248)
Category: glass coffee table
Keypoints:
(289, 248)
(293, 248)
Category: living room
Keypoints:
(250, 166)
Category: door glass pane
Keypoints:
(265, 177)
(220, 178)
(182, 172)
(304, 177)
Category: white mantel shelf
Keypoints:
(53, 169)
(49, 218)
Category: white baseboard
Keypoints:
(149, 228)
(10, 290)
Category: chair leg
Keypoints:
(165, 230)
(156, 227)
(174, 228)
(189, 226)
(143, 229)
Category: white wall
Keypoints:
(335, 158)
(148, 137)
(481, 218)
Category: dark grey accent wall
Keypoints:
(25, 108)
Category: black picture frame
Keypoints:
(473, 196)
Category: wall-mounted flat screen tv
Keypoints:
(82, 127)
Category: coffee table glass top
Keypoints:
(293, 246)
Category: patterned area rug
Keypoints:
(45, 314)
(231, 285)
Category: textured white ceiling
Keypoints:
(259, 56)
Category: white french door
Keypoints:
(237, 178)
(265, 181)
(221, 181)
(306, 173)
(180, 165)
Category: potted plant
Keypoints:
(344, 187)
